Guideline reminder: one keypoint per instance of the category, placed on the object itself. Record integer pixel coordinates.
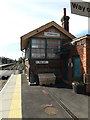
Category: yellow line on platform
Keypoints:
(15, 109)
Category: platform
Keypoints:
(10, 98)
(31, 103)
(6, 73)
(3, 65)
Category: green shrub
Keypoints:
(79, 79)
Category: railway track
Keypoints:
(12, 67)
(3, 66)
(6, 72)
(61, 104)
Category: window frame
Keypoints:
(43, 38)
(52, 48)
(43, 48)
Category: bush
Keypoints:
(78, 85)
(78, 79)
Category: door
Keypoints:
(66, 69)
(76, 66)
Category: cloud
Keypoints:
(78, 24)
(12, 55)
(18, 17)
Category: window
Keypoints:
(52, 47)
(38, 48)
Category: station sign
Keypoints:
(80, 8)
(52, 34)
(41, 62)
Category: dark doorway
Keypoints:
(76, 66)
(66, 69)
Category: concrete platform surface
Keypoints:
(35, 100)
(10, 98)
(20, 100)
(33, 97)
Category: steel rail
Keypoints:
(5, 65)
(60, 103)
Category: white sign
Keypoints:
(41, 62)
(80, 8)
(51, 34)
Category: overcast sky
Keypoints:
(18, 17)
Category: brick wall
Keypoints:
(27, 68)
(81, 48)
(88, 65)
(78, 49)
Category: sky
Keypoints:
(18, 17)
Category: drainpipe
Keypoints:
(84, 81)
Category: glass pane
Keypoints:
(35, 46)
(42, 55)
(34, 41)
(38, 43)
(38, 48)
(53, 43)
(52, 47)
(51, 53)
(37, 53)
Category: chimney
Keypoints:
(65, 20)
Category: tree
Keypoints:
(20, 60)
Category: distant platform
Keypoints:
(5, 65)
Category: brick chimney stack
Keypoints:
(65, 20)
(64, 11)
